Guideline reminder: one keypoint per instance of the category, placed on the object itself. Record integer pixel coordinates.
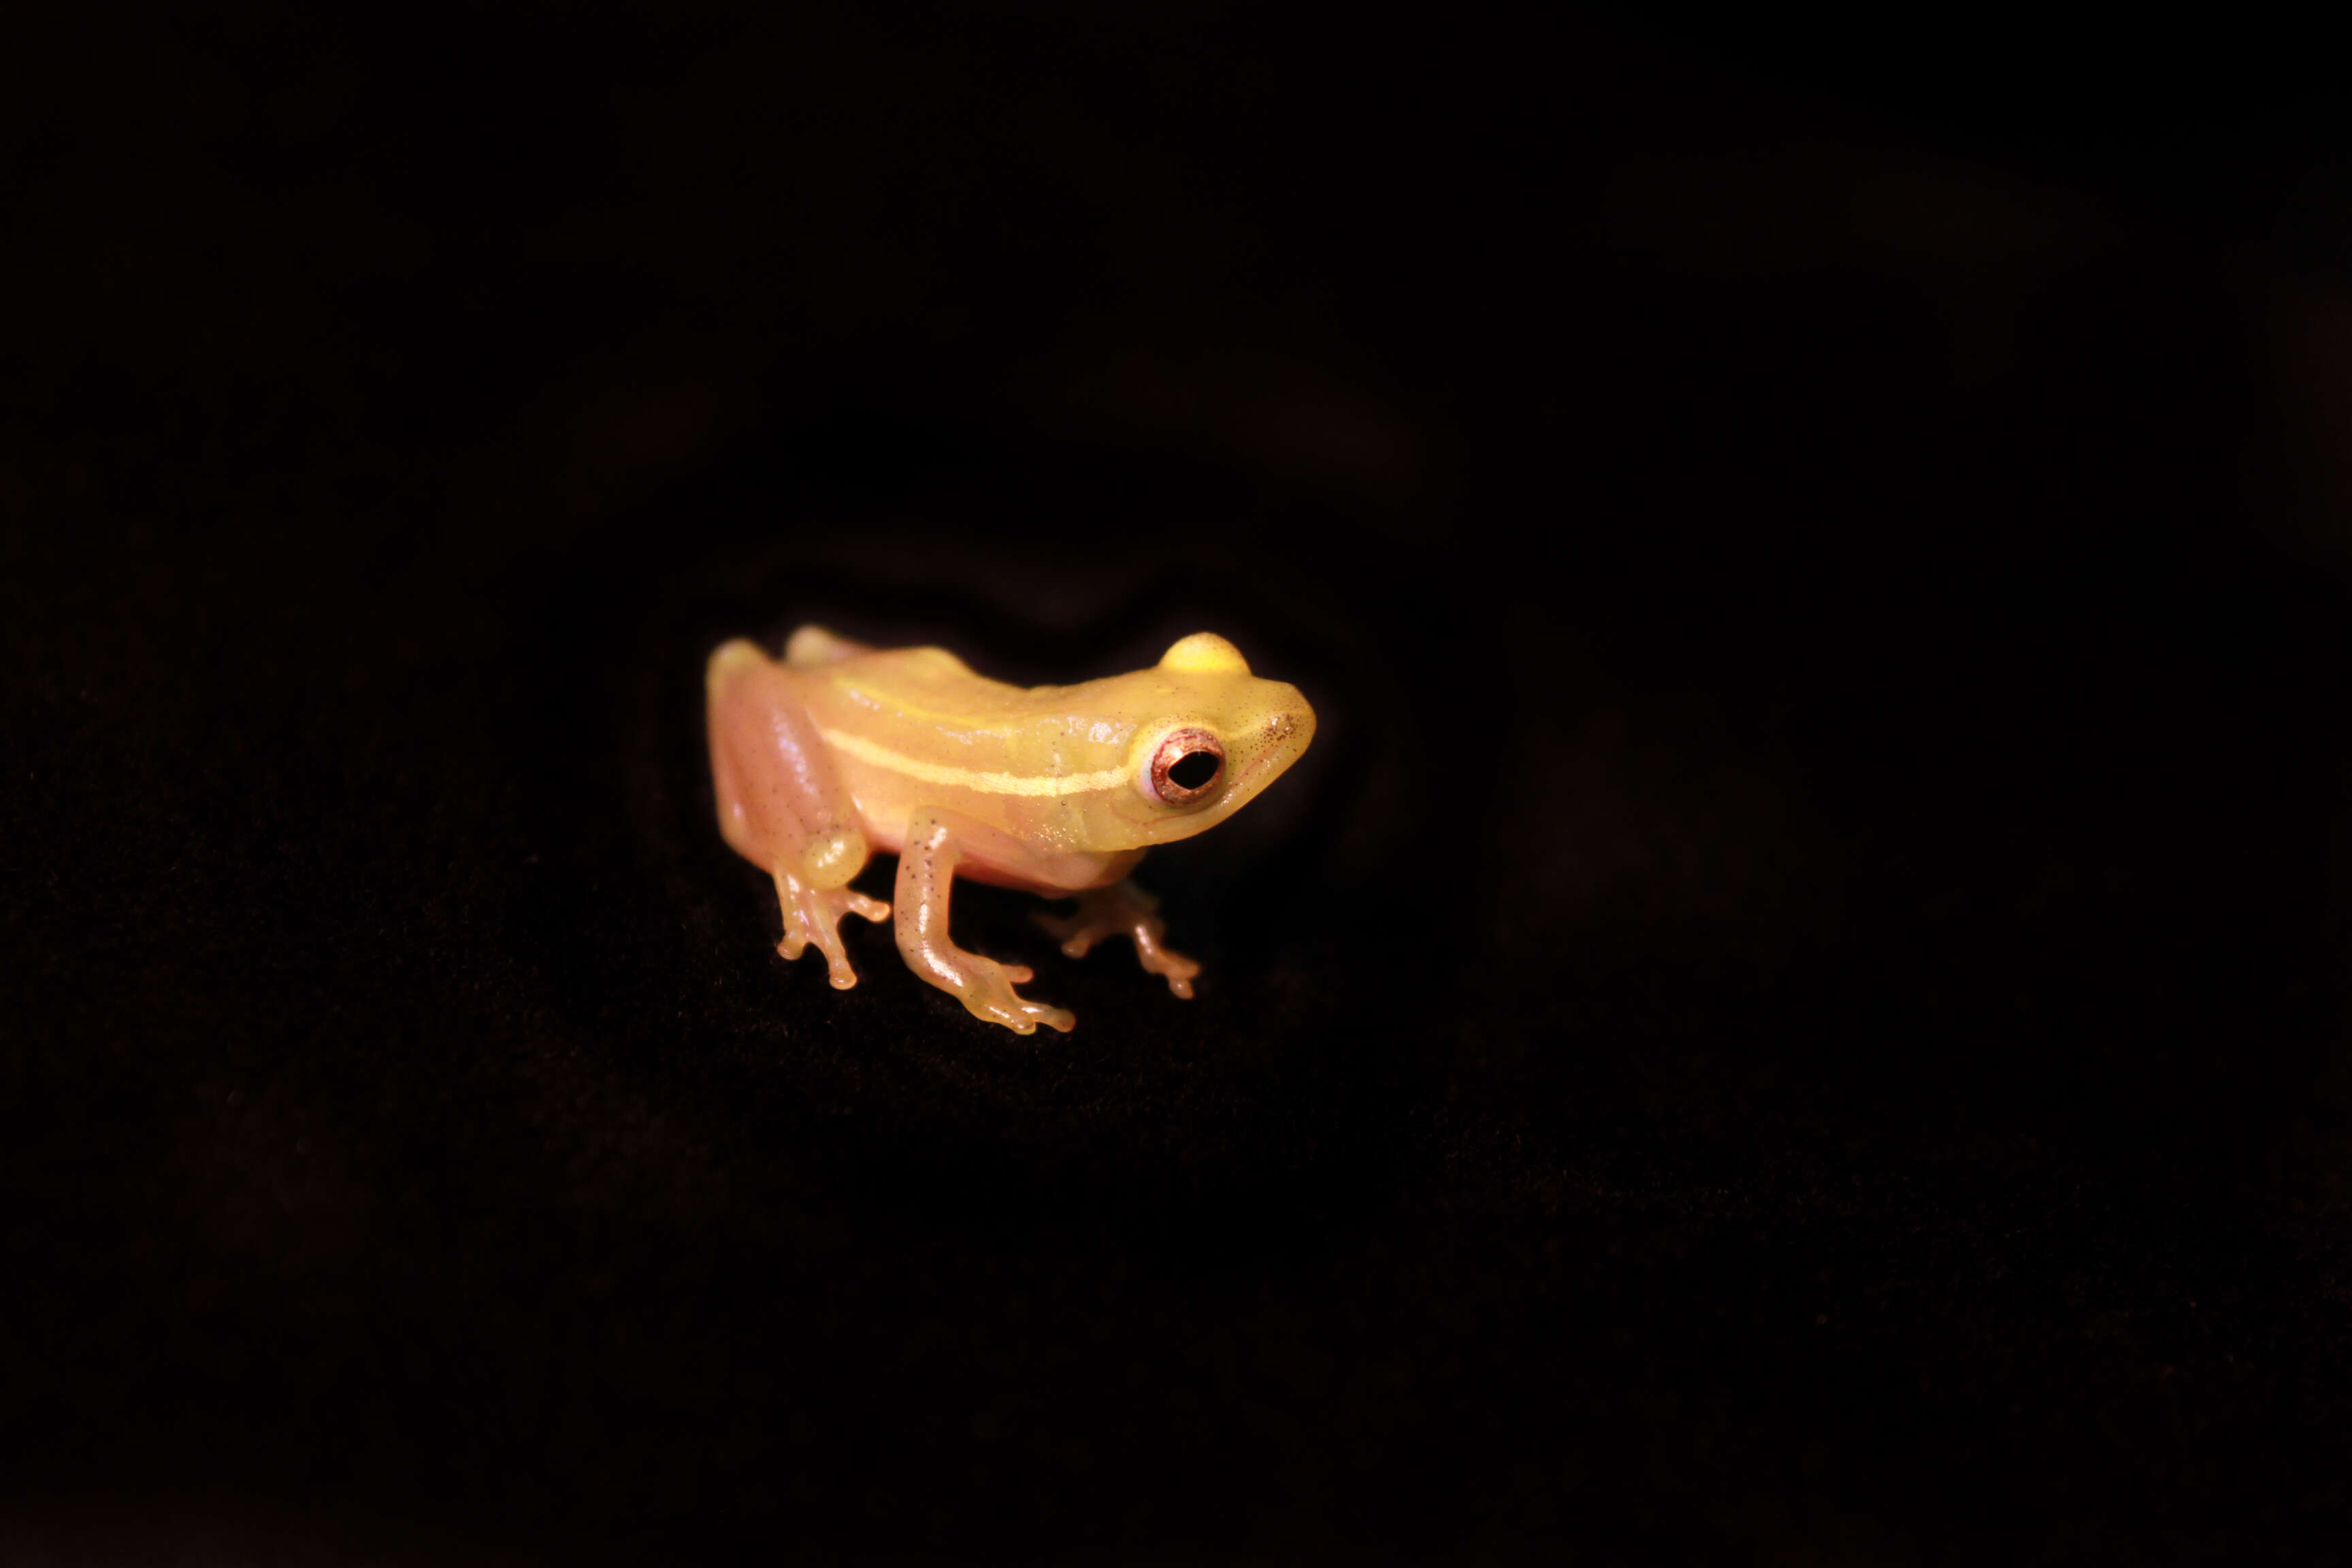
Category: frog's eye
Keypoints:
(1185, 766)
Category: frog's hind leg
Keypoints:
(814, 915)
(781, 807)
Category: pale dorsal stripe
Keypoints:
(989, 783)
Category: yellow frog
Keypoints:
(842, 749)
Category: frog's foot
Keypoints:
(1123, 909)
(814, 915)
(986, 988)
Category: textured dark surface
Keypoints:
(1795, 1011)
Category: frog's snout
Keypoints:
(1281, 741)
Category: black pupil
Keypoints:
(1193, 769)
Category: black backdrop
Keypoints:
(1795, 1010)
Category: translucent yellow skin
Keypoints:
(839, 750)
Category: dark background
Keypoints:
(1796, 1011)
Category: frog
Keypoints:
(839, 750)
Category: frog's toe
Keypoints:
(1123, 909)
(812, 918)
(1023, 1018)
(994, 999)
(1174, 967)
(826, 941)
(1076, 934)
(1059, 1019)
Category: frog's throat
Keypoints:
(990, 782)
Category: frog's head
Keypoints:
(1207, 736)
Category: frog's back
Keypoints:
(927, 686)
(916, 727)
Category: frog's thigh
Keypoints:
(730, 667)
(781, 801)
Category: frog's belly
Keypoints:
(1101, 874)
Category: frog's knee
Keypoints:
(813, 644)
(831, 859)
(741, 653)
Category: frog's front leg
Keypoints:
(926, 879)
(1123, 909)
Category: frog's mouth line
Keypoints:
(1259, 763)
